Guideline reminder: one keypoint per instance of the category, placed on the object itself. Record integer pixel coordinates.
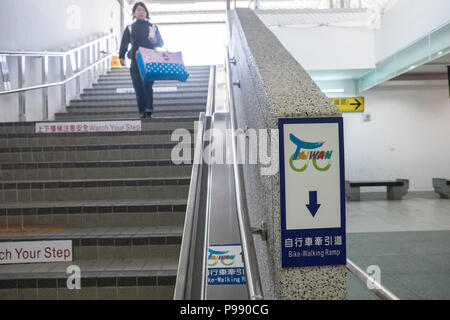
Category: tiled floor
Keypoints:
(409, 240)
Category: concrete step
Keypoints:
(92, 170)
(88, 152)
(160, 123)
(108, 243)
(127, 83)
(94, 190)
(146, 279)
(187, 101)
(112, 96)
(87, 116)
(92, 138)
(169, 213)
(92, 92)
(132, 107)
(120, 76)
(202, 85)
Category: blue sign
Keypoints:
(312, 186)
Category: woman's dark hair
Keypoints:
(137, 4)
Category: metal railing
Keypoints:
(248, 247)
(96, 52)
(192, 266)
(375, 287)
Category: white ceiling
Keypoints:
(289, 13)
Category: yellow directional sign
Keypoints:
(355, 104)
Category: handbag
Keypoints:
(161, 65)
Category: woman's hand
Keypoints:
(122, 62)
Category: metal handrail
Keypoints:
(190, 285)
(55, 53)
(58, 83)
(211, 92)
(379, 290)
(185, 265)
(248, 247)
(96, 56)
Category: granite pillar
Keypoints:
(274, 85)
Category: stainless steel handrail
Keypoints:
(379, 290)
(192, 266)
(185, 271)
(59, 83)
(248, 247)
(211, 91)
(98, 52)
(55, 53)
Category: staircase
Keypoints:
(116, 195)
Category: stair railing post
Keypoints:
(4, 70)
(63, 78)
(44, 90)
(78, 68)
(21, 84)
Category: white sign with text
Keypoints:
(35, 252)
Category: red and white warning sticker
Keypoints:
(88, 126)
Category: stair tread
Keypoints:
(159, 119)
(104, 203)
(44, 234)
(97, 180)
(96, 161)
(150, 267)
(89, 134)
(88, 147)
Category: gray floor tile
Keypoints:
(408, 240)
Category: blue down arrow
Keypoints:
(313, 207)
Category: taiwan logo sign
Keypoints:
(307, 152)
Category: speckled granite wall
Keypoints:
(274, 85)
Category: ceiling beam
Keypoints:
(421, 76)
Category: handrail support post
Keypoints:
(44, 90)
(63, 78)
(21, 65)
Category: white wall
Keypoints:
(329, 48)
(407, 21)
(34, 25)
(50, 25)
(407, 136)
